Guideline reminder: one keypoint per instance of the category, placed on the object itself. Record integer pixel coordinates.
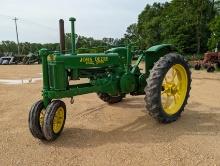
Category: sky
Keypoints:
(38, 19)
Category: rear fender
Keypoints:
(154, 53)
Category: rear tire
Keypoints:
(34, 119)
(218, 65)
(110, 99)
(156, 87)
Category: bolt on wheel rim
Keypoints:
(174, 88)
(58, 120)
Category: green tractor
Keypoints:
(165, 82)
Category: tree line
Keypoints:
(83, 44)
(193, 26)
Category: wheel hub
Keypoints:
(58, 120)
(170, 89)
(174, 89)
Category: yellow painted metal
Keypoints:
(41, 118)
(174, 89)
(58, 120)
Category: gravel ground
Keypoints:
(100, 134)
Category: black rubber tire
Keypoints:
(197, 67)
(48, 132)
(218, 65)
(33, 120)
(110, 99)
(154, 87)
(210, 69)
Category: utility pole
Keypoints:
(16, 27)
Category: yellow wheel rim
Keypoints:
(58, 120)
(41, 118)
(174, 89)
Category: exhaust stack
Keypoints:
(62, 36)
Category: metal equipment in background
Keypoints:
(210, 62)
(10, 59)
(165, 82)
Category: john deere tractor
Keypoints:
(165, 82)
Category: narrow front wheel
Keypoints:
(54, 119)
(36, 118)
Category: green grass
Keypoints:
(217, 69)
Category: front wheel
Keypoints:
(168, 88)
(54, 119)
(36, 118)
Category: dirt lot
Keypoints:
(100, 134)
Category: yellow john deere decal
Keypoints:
(94, 60)
(51, 57)
(101, 60)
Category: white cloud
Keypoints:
(39, 19)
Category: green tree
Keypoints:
(186, 24)
(182, 23)
(132, 33)
(149, 24)
(9, 46)
(216, 6)
(214, 40)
